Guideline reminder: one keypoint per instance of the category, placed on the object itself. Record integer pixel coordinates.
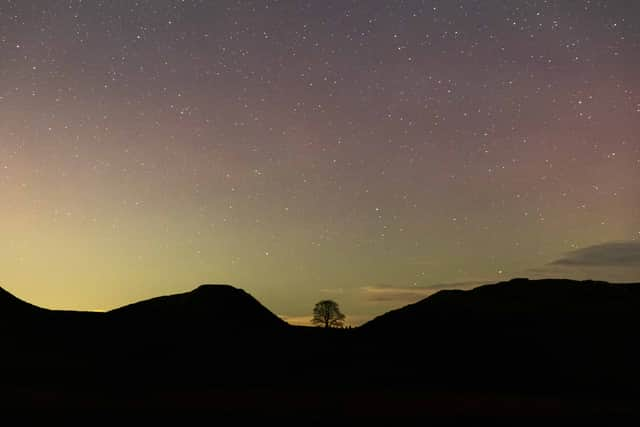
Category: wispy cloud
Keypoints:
(610, 254)
(351, 319)
(617, 261)
(459, 285)
(296, 320)
(392, 293)
(387, 293)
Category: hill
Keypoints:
(200, 336)
(12, 306)
(525, 334)
(212, 306)
(520, 300)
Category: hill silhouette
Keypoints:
(551, 338)
(213, 306)
(522, 334)
(12, 306)
(529, 303)
(188, 337)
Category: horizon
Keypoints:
(305, 320)
(370, 153)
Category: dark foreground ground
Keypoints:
(311, 407)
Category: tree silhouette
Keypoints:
(327, 313)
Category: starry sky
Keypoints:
(371, 152)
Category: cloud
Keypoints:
(387, 293)
(610, 261)
(350, 320)
(297, 320)
(392, 293)
(459, 285)
(610, 254)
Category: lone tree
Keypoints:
(328, 314)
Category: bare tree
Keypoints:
(327, 313)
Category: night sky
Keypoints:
(369, 152)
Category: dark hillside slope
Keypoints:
(12, 306)
(521, 333)
(532, 302)
(212, 306)
(200, 336)
(40, 344)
